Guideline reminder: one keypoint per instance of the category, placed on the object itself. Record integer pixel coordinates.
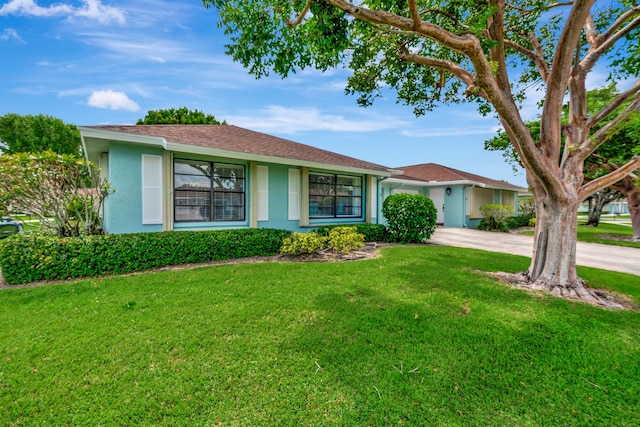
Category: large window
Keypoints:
(207, 191)
(335, 196)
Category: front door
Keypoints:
(437, 196)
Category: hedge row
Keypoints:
(33, 257)
(371, 232)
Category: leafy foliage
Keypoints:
(178, 116)
(345, 239)
(431, 52)
(495, 217)
(411, 217)
(303, 243)
(63, 191)
(339, 239)
(32, 257)
(30, 134)
(371, 232)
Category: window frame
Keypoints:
(334, 195)
(212, 191)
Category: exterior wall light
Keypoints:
(448, 191)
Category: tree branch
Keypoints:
(415, 15)
(609, 179)
(497, 55)
(603, 42)
(620, 99)
(536, 56)
(300, 17)
(460, 73)
(600, 137)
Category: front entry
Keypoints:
(437, 196)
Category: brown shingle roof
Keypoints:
(435, 172)
(236, 139)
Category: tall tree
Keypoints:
(178, 116)
(445, 51)
(622, 144)
(30, 134)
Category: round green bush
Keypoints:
(411, 218)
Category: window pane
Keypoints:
(321, 178)
(228, 206)
(320, 206)
(191, 182)
(349, 206)
(228, 177)
(192, 213)
(350, 180)
(191, 167)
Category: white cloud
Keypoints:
(457, 131)
(92, 9)
(30, 8)
(112, 100)
(279, 119)
(10, 33)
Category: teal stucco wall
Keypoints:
(123, 208)
(279, 199)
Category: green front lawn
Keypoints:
(608, 234)
(412, 338)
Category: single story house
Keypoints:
(457, 195)
(190, 177)
(176, 177)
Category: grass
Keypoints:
(602, 234)
(412, 338)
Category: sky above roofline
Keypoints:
(95, 62)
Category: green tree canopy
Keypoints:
(30, 134)
(178, 116)
(432, 52)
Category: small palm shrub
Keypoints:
(411, 218)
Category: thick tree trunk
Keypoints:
(553, 264)
(600, 199)
(633, 199)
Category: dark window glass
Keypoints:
(335, 196)
(201, 195)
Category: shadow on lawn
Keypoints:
(413, 348)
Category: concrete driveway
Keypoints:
(606, 257)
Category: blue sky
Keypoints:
(94, 62)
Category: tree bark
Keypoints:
(633, 198)
(600, 199)
(553, 264)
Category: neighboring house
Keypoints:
(457, 195)
(178, 177)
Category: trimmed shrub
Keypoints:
(532, 222)
(345, 239)
(32, 257)
(371, 232)
(411, 217)
(519, 221)
(303, 243)
(495, 217)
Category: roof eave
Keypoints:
(207, 151)
(215, 152)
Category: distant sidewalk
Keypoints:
(606, 257)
